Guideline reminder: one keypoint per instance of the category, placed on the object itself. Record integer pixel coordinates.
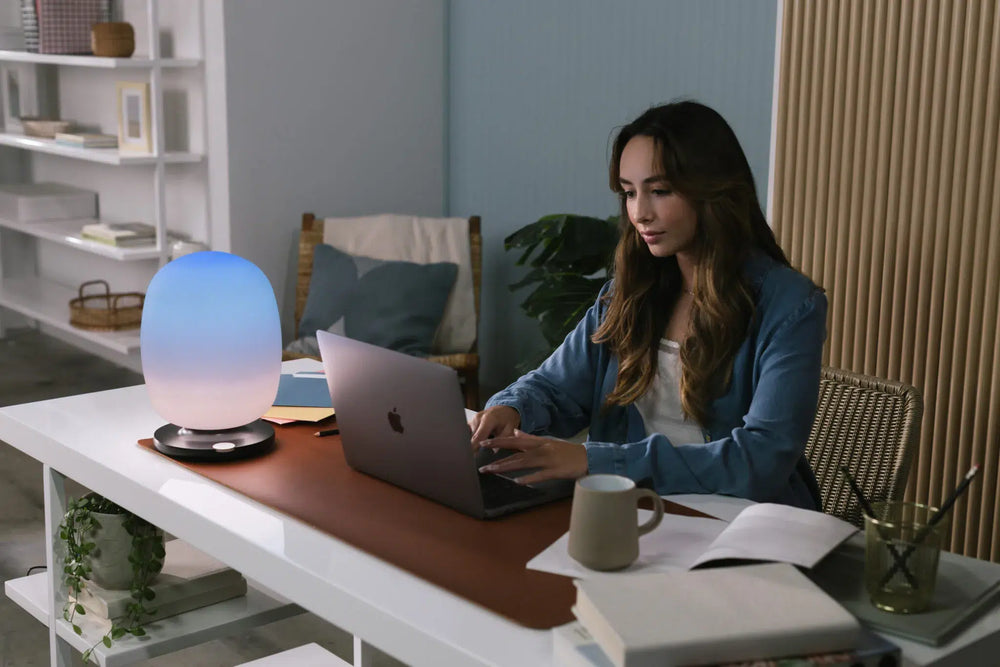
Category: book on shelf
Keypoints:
(190, 579)
(712, 616)
(573, 646)
(87, 139)
(121, 234)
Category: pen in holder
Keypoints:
(934, 520)
(898, 561)
(913, 535)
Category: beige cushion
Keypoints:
(420, 240)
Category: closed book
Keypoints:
(118, 231)
(965, 589)
(711, 616)
(128, 242)
(574, 646)
(190, 579)
(87, 140)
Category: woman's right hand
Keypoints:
(495, 422)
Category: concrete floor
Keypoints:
(35, 367)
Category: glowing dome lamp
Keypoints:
(211, 356)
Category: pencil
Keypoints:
(328, 431)
(934, 520)
(866, 507)
(862, 500)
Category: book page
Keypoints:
(772, 532)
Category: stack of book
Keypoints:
(189, 580)
(86, 140)
(120, 234)
(709, 617)
(574, 646)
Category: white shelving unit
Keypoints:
(164, 636)
(26, 290)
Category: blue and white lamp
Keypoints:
(211, 356)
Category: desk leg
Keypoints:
(60, 652)
(364, 654)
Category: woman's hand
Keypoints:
(556, 459)
(495, 422)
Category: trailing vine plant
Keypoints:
(145, 556)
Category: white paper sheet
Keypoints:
(673, 545)
(765, 532)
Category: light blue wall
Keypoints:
(537, 88)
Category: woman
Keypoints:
(698, 365)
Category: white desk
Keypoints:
(92, 438)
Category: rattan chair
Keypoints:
(465, 363)
(870, 425)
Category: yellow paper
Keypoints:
(298, 413)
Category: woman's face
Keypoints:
(664, 219)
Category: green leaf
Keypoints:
(80, 610)
(106, 640)
(570, 257)
(137, 631)
(148, 594)
(77, 629)
(118, 632)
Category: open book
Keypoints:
(762, 532)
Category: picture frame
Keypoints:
(19, 90)
(134, 124)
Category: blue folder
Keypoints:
(303, 392)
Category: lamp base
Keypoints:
(178, 442)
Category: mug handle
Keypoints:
(657, 517)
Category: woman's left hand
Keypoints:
(556, 459)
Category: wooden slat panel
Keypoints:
(886, 193)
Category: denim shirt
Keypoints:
(757, 432)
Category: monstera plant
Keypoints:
(569, 257)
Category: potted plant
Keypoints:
(115, 549)
(570, 257)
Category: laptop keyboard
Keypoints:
(499, 491)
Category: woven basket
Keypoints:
(107, 311)
(112, 40)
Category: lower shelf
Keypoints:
(164, 636)
(48, 302)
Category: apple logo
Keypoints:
(395, 421)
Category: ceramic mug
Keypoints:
(603, 525)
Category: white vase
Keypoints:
(109, 564)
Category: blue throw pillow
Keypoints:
(397, 305)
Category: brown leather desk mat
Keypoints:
(482, 561)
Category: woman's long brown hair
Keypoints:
(702, 160)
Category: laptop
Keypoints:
(402, 420)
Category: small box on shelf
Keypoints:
(46, 201)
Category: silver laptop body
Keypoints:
(402, 420)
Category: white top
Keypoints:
(660, 406)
